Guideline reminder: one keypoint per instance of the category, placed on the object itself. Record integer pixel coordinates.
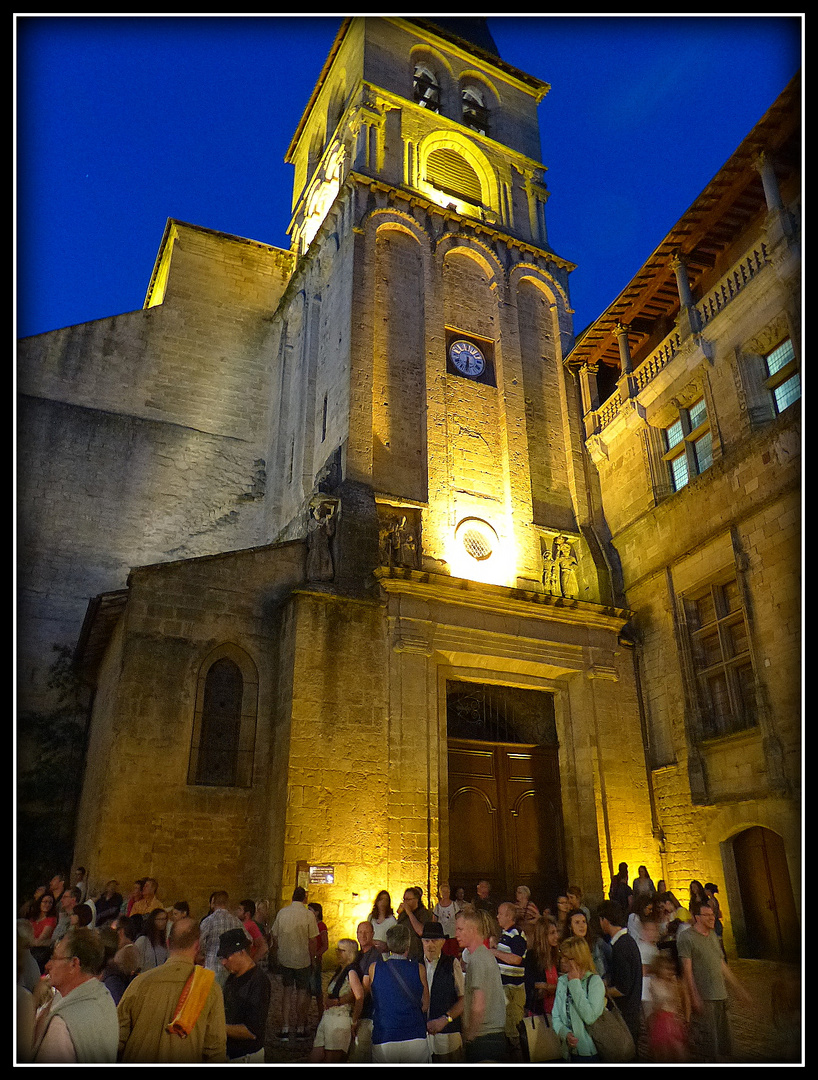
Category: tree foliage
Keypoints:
(51, 751)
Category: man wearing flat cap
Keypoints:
(246, 999)
(446, 988)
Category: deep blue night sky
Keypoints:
(124, 122)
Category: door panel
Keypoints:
(505, 818)
(474, 821)
(770, 917)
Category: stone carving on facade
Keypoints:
(321, 527)
(559, 568)
(399, 537)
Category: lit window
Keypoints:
(427, 91)
(688, 445)
(475, 114)
(720, 642)
(783, 381)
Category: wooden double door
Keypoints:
(505, 819)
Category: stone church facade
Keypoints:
(374, 554)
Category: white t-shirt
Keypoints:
(446, 917)
(381, 927)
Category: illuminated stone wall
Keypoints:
(338, 772)
(398, 371)
(139, 815)
(737, 522)
(141, 435)
(544, 420)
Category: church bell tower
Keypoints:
(422, 351)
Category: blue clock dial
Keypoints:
(467, 358)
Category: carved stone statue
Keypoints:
(404, 544)
(567, 564)
(559, 568)
(398, 542)
(550, 574)
(385, 542)
(320, 531)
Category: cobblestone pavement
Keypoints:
(764, 1033)
(769, 1030)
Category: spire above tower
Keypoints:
(474, 31)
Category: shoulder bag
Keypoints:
(538, 1040)
(612, 1039)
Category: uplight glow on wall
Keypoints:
(322, 196)
(477, 552)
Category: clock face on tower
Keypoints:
(467, 358)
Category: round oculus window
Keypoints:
(477, 537)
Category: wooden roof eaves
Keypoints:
(727, 190)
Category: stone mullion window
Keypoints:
(721, 659)
(693, 713)
(767, 374)
(688, 445)
(783, 379)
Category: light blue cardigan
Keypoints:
(578, 1002)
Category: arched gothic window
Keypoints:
(221, 753)
(427, 89)
(475, 113)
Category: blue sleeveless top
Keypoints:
(396, 1012)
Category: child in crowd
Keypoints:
(667, 1030)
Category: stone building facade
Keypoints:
(691, 390)
(363, 600)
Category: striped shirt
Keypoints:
(512, 942)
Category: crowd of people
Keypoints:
(130, 978)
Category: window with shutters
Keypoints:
(475, 113)
(449, 172)
(426, 88)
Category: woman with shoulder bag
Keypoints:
(334, 1034)
(579, 1001)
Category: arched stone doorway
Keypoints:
(771, 929)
